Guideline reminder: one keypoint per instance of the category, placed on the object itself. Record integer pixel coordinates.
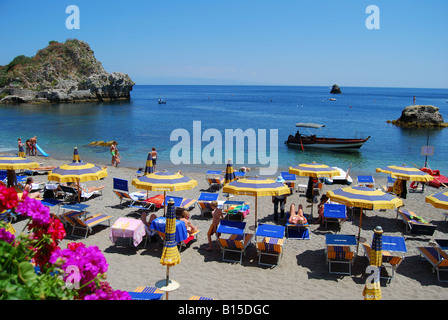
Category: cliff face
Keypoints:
(420, 116)
(62, 72)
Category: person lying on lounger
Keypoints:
(86, 190)
(186, 218)
(27, 189)
(296, 218)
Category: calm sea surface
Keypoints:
(142, 123)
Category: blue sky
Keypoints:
(247, 42)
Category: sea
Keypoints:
(190, 131)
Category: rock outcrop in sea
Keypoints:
(420, 116)
(335, 89)
(61, 72)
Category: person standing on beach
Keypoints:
(154, 157)
(217, 216)
(33, 143)
(112, 149)
(21, 150)
(414, 100)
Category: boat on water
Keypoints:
(311, 140)
(331, 99)
(161, 101)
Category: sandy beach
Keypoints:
(302, 273)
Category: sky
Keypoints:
(245, 42)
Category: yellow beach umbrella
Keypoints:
(164, 181)
(13, 163)
(230, 173)
(404, 173)
(438, 200)
(372, 290)
(365, 198)
(77, 172)
(257, 187)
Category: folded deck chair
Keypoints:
(136, 199)
(336, 213)
(205, 200)
(238, 240)
(437, 258)
(415, 224)
(146, 293)
(389, 261)
(87, 223)
(340, 255)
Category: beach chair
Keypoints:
(7, 216)
(271, 243)
(389, 261)
(297, 232)
(205, 200)
(146, 293)
(136, 199)
(180, 202)
(79, 220)
(290, 179)
(199, 298)
(236, 210)
(437, 258)
(334, 213)
(340, 255)
(182, 237)
(238, 240)
(414, 224)
(215, 181)
(366, 181)
(71, 193)
(388, 188)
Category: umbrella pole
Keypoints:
(256, 211)
(79, 195)
(165, 203)
(167, 280)
(359, 228)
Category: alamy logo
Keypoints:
(373, 21)
(212, 153)
(72, 21)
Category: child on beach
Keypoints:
(112, 149)
(320, 208)
(186, 218)
(21, 151)
(154, 157)
(117, 157)
(217, 216)
(28, 147)
(296, 218)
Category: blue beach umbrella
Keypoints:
(230, 173)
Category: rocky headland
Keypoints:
(416, 116)
(61, 72)
(335, 89)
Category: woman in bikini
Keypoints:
(296, 218)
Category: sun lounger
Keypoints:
(388, 188)
(236, 209)
(79, 220)
(146, 293)
(215, 181)
(334, 213)
(181, 236)
(297, 231)
(136, 199)
(339, 251)
(437, 258)
(389, 260)
(199, 298)
(366, 181)
(238, 240)
(415, 224)
(72, 193)
(271, 244)
(205, 200)
(180, 202)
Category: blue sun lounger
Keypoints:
(238, 240)
(334, 213)
(272, 242)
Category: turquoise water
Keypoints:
(140, 124)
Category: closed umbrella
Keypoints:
(372, 290)
(149, 168)
(76, 157)
(364, 198)
(257, 187)
(170, 254)
(164, 181)
(230, 173)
